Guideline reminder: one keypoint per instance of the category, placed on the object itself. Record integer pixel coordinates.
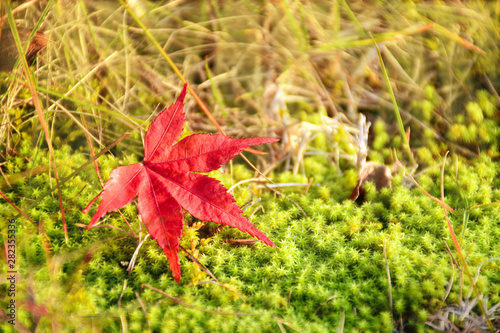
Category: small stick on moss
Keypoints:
(181, 302)
(248, 241)
(323, 304)
(216, 230)
(122, 317)
(143, 307)
(79, 192)
(199, 264)
(126, 221)
(256, 209)
(223, 286)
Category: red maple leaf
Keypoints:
(167, 180)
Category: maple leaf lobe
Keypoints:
(163, 218)
(165, 129)
(121, 188)
(206, 152)
(207, 199)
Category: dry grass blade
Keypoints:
(453, 36)
(340, 327)
(172, 65)
(17, 178)
(484, 205)
(143, 307)
(288, 198)
(460, 254)
(19, 8)
(481, 266)
(439, 202)
(446, 318)
(179, 74)
(131, 264)
(122, 317)
(255, 168)
(395, 104)
(130, 120)
(36, 101)
(91, 147)
(452, 278)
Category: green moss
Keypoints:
(474, 112)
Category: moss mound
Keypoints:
(329, 267)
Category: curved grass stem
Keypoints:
(461, 256)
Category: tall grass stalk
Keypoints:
(402, 131)
(34, 94)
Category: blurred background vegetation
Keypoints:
(304, 71)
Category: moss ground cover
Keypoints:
(328, 264)
(302, 71)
